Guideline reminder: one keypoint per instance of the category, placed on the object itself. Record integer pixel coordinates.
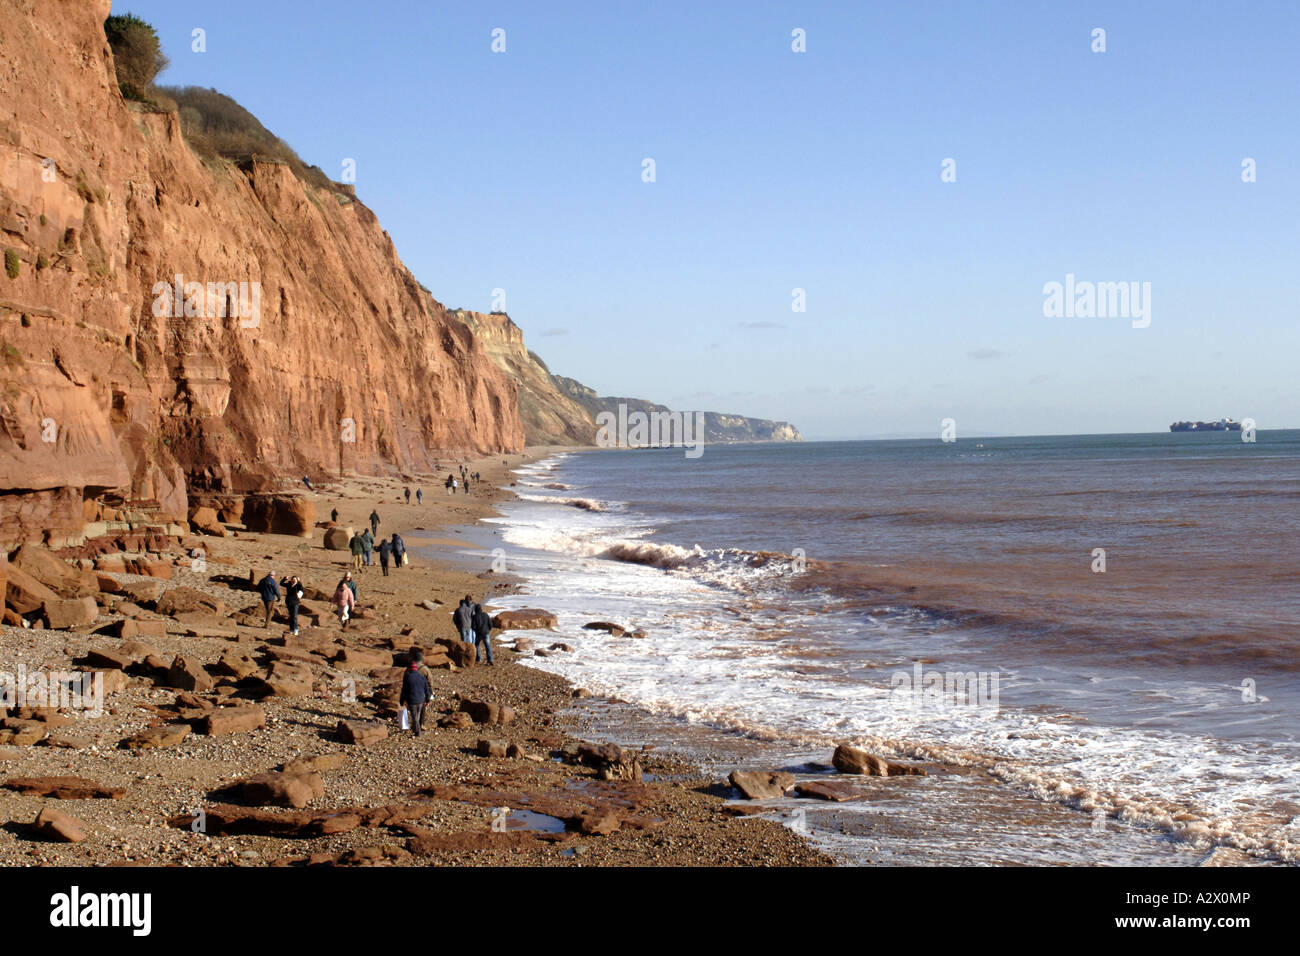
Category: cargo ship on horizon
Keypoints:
(1222, 425)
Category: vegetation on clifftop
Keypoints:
(213, 124)
(137, 55)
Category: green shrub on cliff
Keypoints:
(215, 125)
(137, 54)
(12, 264)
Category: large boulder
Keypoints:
(761, 784)
(53, 825)
(144, 593)
(24, 593)
(231, 720)
(461, 653)
(280, 514)
(185, 600)
(363, 659)
(288, 679)
(276, 788)
(836, 792)
(336, 539)
(60, 614)
(485, 712)
(528, 618)
(236, 663)
(362, 731)
(186, 673)
(205, 521)
(855, 760)
(151, 738)
(55, 573)
(611, 761)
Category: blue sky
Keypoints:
(820, 170)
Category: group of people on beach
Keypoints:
(269, 590)
(362, 545)
(471, 621)
(452, 482)
(475, 627)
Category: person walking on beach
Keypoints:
(482, 633)
(462, 617)
(447, 484)
(419, 496)
(352, 586)
(368, 545)
(467, 484)
(270, 592)
(374, 523)
(334, 515)
(416, 691)
(428, 675)
(293, 593)
(407, 492)
(344, 601)
(357, 546)
(385, 553)
(399, 550)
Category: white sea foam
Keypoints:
(726, 649)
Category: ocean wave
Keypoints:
(585, 504)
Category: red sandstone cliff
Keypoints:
(100, 200)
(549, 416)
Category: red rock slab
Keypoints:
(63, 788)
(826, 790)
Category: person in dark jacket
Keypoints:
(419, 496)
(482, 633)
(367, 546)
(416, 691)
(407, 492)
(423, 668)
(352, 586)
(334, 515)
(293, 592)
(385, 554)
(462, 617)
(270, 592)
(374, 524)
(399, 549)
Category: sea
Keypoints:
(1092, 642)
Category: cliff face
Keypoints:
(561, 411)
(718, 427)
(550, 417)
(110, 386)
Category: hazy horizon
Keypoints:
(521, 172)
